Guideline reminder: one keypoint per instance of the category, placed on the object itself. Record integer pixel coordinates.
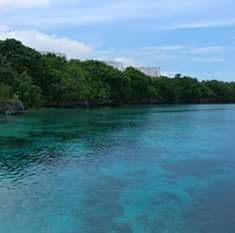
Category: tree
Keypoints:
(29, 93)
(5, 92)
(51, 80)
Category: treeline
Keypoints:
(49, 80)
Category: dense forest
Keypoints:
(49, 80)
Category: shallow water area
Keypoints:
(164, 169)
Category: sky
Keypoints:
(192, 37)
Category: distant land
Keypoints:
(32, 79)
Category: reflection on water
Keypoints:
(122, 170)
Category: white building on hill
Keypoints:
(151, 71)
(116, 65)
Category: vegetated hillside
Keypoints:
(51, 80)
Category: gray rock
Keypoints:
(11, 107)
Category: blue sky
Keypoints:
(194, 37)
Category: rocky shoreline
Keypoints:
(11, 107)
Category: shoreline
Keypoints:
(109, 107)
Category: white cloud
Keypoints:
(208, 59)
(22, 3)
(206, 50)
(84, 12)
(163, 48)
(165, 54)
(169, 50)
(48, 43)
(226, 22)
(158, 15)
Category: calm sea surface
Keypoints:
(124, 170)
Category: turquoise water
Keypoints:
(125, 170)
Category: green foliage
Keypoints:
(22, 58)
(97, 75)
(140, 86)
(5, 92)
(74, 84)
(29, 93)
(51, 80)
